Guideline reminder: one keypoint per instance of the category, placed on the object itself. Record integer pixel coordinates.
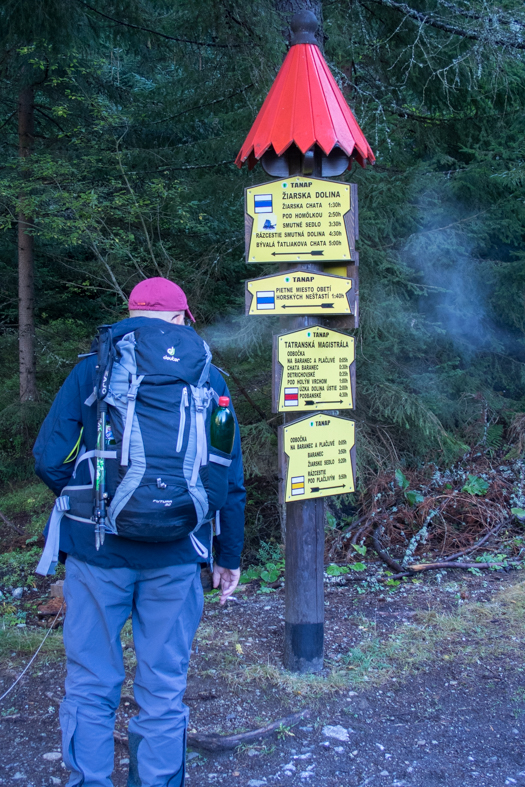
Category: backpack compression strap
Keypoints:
(202, 398)
(132, 398)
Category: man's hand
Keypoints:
(227, 578)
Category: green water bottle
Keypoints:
(223, 426)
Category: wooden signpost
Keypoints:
(309, 225)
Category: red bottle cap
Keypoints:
(224, 401)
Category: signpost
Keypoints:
(319, 454)
(300, 220)
(301, 292)
(314, 369)
(303, 132)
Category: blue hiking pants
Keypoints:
(166, 606)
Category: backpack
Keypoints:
(163, 479)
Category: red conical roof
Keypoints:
(304, 106)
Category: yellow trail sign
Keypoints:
(318, 453)
(300, 219)
(314, 369)
(300, 292)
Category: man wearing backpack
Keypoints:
(153, 389)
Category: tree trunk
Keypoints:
(26, 284)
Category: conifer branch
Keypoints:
(500, 20)
(203, 106)
(440, 24)
(8, 119)
(153, 32)
(48, 117)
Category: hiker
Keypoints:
(165, 483)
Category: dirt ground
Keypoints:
(424, 683)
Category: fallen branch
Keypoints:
(217, 743)
(11, 524)
(427, 566)
(385, 557)
(419, 567)
(482, 541)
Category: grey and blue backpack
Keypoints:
(163, 479)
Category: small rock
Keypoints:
(57, 589)
(55, 780)
(339, 749)
(325, 744)
(52, 607)
(256, 783)
(306, 774)
(337, 732)
(252, 752)
(17, 593)
(19, 775)
(52, 756)
(290, 767)
(307, 729)
(192, 755)
(125, 761)
(384, 773)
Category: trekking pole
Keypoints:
(105, 364)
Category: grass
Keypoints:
(16, 643)
(17, 568)
(33, 502)
(475, 632)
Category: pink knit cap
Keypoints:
(159, 295)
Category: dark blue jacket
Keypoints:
(58, 436)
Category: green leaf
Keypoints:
(519, 513)
(271, 575)
(331, 521)
(336, 571)
(358, 566)
(476, 486)
(414, 498)
(360, 549)
(401, 479)
(251, 573)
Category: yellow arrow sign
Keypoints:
(300, 292)
(319, 457)
(314, 370)
(299, 219)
